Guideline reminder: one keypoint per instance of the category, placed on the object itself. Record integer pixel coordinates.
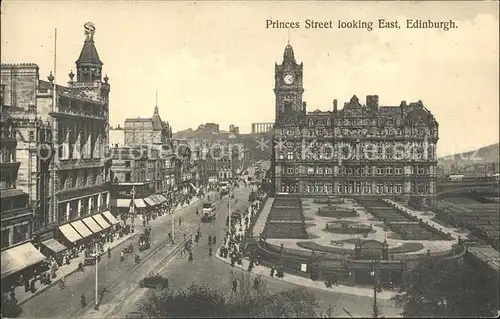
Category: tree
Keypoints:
(195, 301)
(451, 288)
(249, 300)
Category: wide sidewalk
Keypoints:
(66, 270)
(303, 281)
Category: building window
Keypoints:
(368, 189)
(127, 177)
(319, 170)
(328, 171)
(290, 170)
(329, 188)
(310, 188)
(20, 233)
(399, 188)
(290, 155)
(388, 171)
(398, 171)
(380, 188)
(380, 171)
(310, 171)
(319, 187)
(32, 136)
(420, 171)
(6, 238)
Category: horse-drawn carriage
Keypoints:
(145, 239)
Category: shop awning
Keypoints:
(101, 221)
(20, 257)
(81, 228)
(54, 245)
(161, 198)
(120, 202)
(157, 198)
(70, 233)
(139, 203)
(94, 227)
(150, 201)
(111, 218)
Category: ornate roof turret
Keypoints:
(89, 53)
(288, 54)
(89, 65)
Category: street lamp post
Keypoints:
(373, 273)
(133, 205)
(173, 223)
(96, 305)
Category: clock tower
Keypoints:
(288, 87)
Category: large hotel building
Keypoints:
(359, 150)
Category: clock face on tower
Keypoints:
(288, 78)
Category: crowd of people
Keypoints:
(49, 268)
(233, 245)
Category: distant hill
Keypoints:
(487, 154)
(259, 145)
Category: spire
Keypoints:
(156, 105)
(288, 55)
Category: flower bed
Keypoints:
(343, 228)
(333, 211)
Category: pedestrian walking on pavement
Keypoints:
(256, 283)
(62, 284)
(210, 239)
(272, 271)
(26, 286)
(190, 258)
(235, 284)
(250, 265)
(210, 251)
(213, 240)
(180, 221)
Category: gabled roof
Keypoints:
(89, 54)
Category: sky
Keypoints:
(214, 61)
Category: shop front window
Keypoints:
(5, 238)
(20, 233)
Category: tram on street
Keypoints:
(208, 211)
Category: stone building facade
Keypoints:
(148, 131)
(72, 180)
(359, 150)
(16, 213)
(138, 175)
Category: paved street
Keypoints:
(213, 272)
(120, 279)
(114, 276)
